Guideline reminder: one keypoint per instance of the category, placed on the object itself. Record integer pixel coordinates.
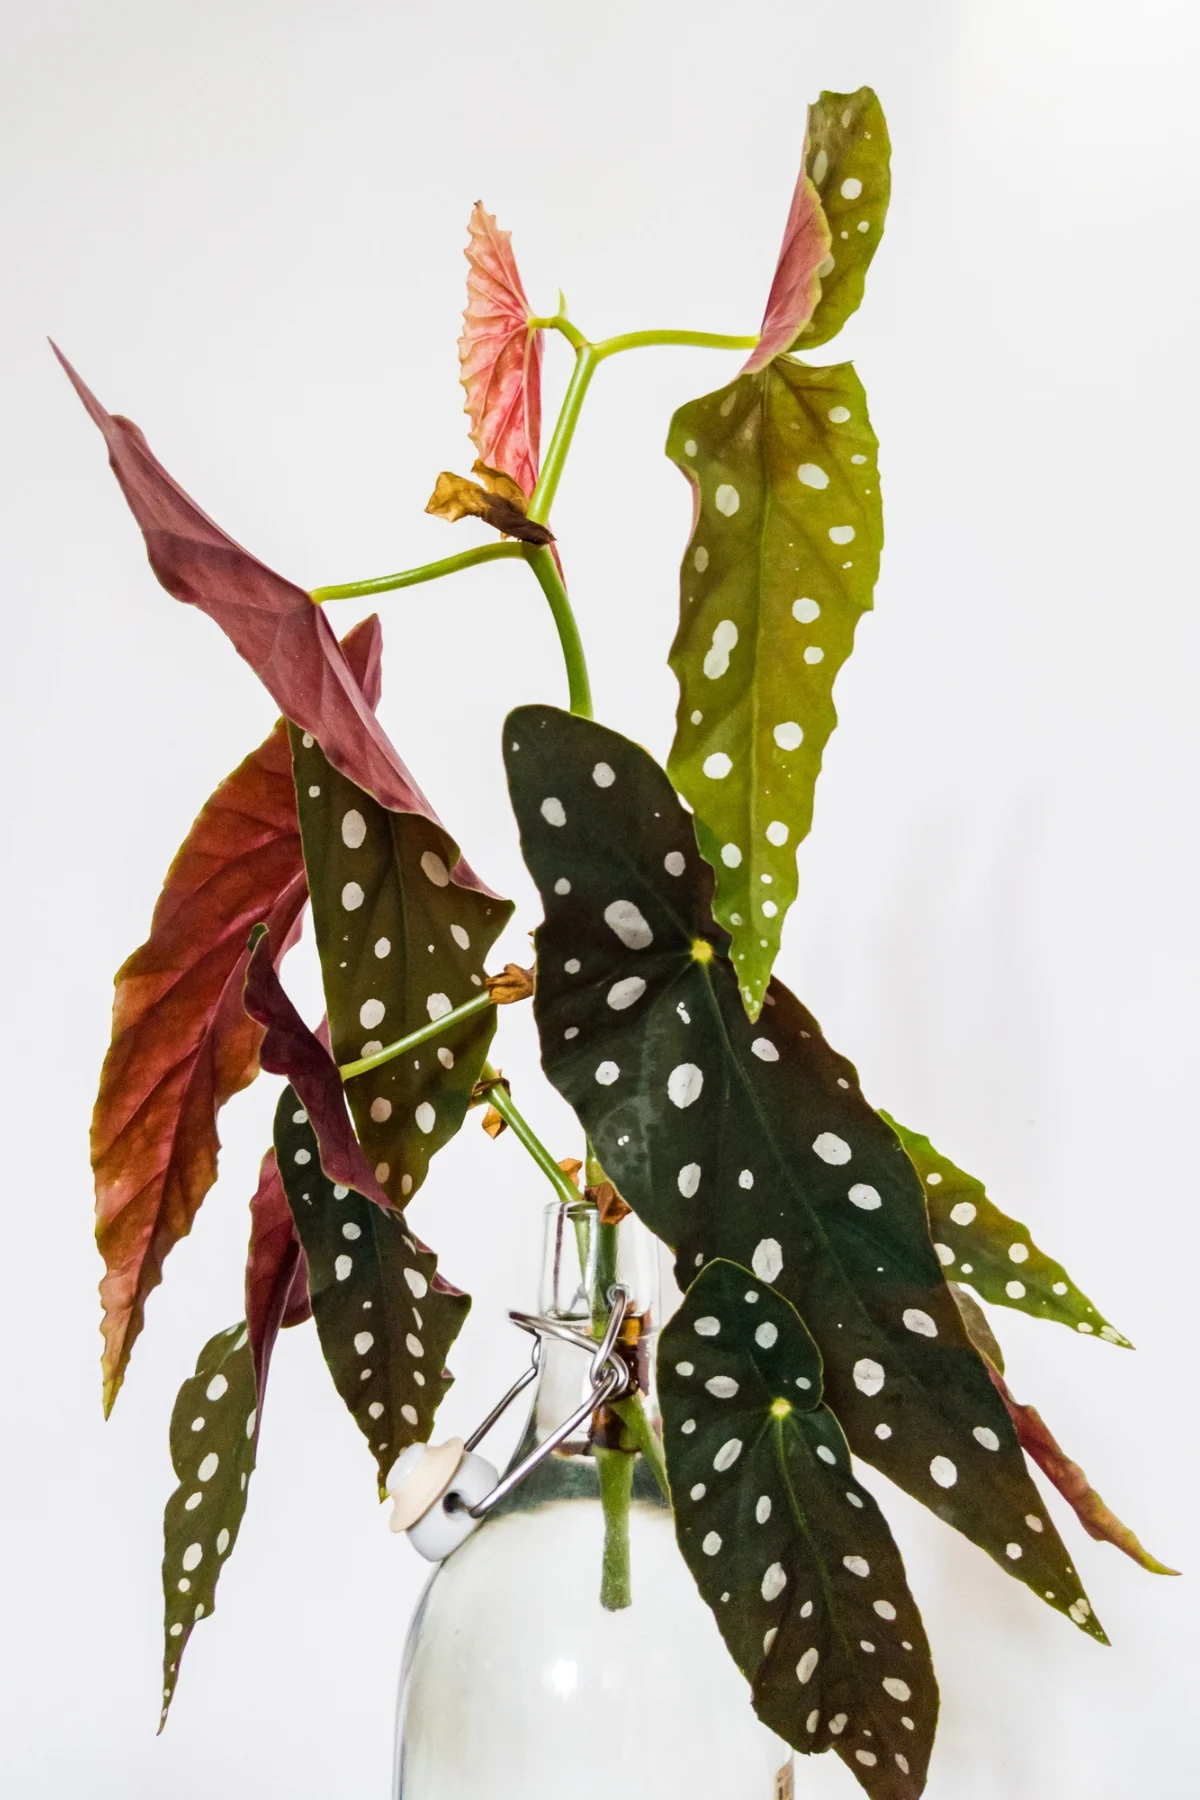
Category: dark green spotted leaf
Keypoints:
(385, 1317)
(979, 1244)
(213, 1438)
(402, 938)
(749, 1142)
(847, 158)
(793, 1556)
(781, 565)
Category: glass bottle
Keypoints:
(518, 1684)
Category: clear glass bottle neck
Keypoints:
(582, 1260)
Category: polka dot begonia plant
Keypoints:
(823, 1248)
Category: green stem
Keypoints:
(632, 1415)
(502, 1100)
(383, 584)
(562, 324)
(615, 1469)
(647, 340)
(468, 1010)
(579, 688)
(542, 499)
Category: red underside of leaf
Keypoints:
(500, 359)
(273, 624)
(290, 1048)
(182, 1043)
(1097, 1519)
(276, 1270)
(796, 286)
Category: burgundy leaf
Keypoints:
(290, 1048)
(796, 286)
(1097, 1519)
(500, 358)
(273, 624)
(276, 1270)
(182, 1044)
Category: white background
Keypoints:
(244, 222)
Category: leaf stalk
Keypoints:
(446, 565)
(468, 1010)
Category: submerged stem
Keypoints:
(615, 1469)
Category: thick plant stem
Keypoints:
(447, 565)
(502, 1100)
(615, 1469)
(579, 688)
(390, 1052)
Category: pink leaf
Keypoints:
(291, 1049)
(273, 624)
(796, 287)
(276, 1270)
(500, 359)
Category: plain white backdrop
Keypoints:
(244, 223)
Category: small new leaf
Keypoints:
(385, 1317)
(979, 1244)
(499, 357)
(781, 565)
(213, 1440)
(793, 1556)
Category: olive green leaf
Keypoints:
(979, 1244)
(748, 1142)
(781, 565)
(213, 1441)
(401, 943)
(793, 1556)
(847, 159)
(385, 1317)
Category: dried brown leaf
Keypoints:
(511, 985)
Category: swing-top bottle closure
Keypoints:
(441, 1493)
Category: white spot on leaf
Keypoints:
(623, 917)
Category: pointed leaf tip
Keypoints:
(500, 358)
(978, 1244)
(289, 1048)
(272, 623)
